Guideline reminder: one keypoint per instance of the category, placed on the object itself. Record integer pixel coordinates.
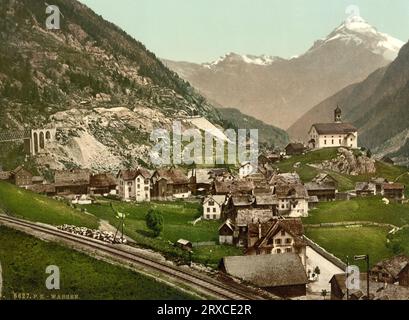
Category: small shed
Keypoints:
(184, 244)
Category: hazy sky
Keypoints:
(203, 30)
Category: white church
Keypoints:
(335, 134)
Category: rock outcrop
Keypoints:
(350, 163)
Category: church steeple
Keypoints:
(337, 115)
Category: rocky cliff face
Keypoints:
(103, 89)
(349, 163)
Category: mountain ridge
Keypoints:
(282, 90)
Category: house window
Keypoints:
(138, 180)
(208, 216)
(214, 217)
(283, 233)
(139, 186)
(211, 203)
(278, 250)
(208, 209)
(288, 250)
(325, 141)
(129, 190)
(332, 141)
(214, 209)
(278, 241)
(288, 240)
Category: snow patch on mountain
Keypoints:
(231, 57)
(356, 30)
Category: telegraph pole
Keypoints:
(366, 258)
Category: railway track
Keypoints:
(203, 282)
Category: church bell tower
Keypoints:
(337, 115)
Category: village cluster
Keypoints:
(259, 209)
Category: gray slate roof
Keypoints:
(334, 128)
(270, 270)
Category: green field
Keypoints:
(28, 205)
(178, 218)
(360, 209)
(343, 242)
(25, 258)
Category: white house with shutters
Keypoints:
(213, 206)
(135, 185)
(336, 134)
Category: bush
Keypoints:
(154, 221)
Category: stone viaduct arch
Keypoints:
(40, 139)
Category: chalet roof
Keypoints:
(334, 128)
(172, 176)
(245, 216)
(266, 199)
(285, 178)
(20, 169)
(323, 178)
(217, 198)
(102, 180)
(364, 186)
(229, 224)
(313, 186)
(270, 270)
(237, 186)
(242, 201)
(132, 174)
(377, 290)
(393, 265)
(72, 177)
(393, 186)
(270, 228)
(291, 191)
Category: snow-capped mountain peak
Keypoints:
(231, 57)
(355, 30)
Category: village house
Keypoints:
(246, 169)
(235, 202)
(294, 149)
(365, 189)
(394, 191)
(226, 232)
(323, 191)
(280, 274)
(336, 134)
(168, 184)
(292, 200)
(277, 236)
(391, 270)
(102, 184)
(213, 206)
(268, 159)
(241, 211)
(221, 174)
(72, 182)
(379, 182)
(21, 177)
(134, 185)
(377, 290)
